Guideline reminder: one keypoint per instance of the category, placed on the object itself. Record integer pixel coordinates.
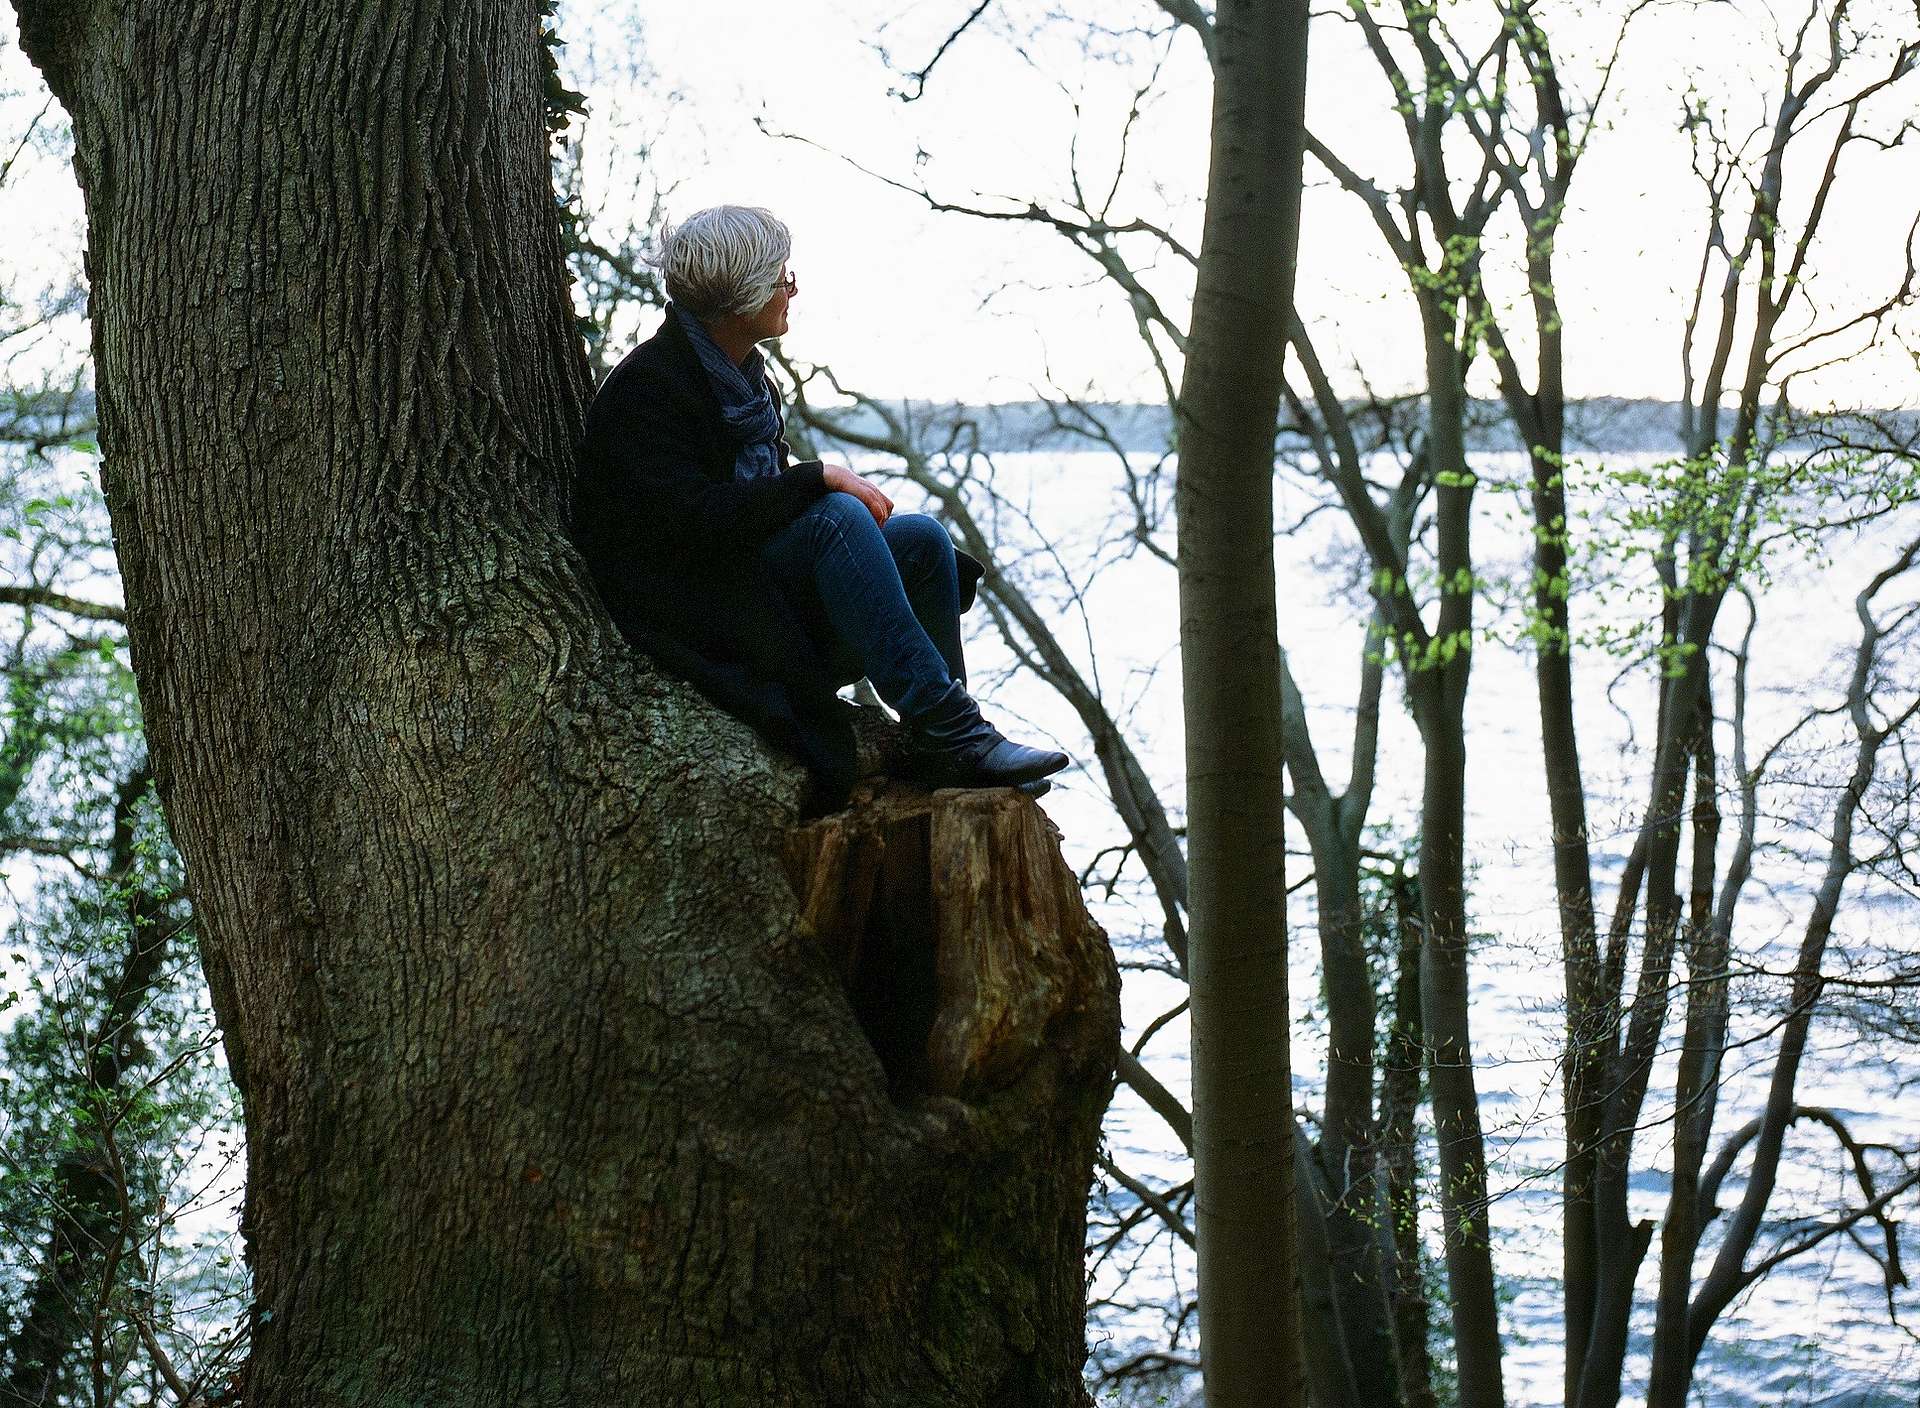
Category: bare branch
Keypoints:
(919, 78)
(46, 597)
(1160, 1206)
(1159, 1099)
(1190, 14)
(57, 847)
(26, 136)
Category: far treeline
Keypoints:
(1597, 425)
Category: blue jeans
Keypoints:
(883, 602)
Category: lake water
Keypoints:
(1815, 1331)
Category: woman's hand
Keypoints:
(840, 479)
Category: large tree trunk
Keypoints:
(1230, 663)
(550, 1096)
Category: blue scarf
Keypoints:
(746, 401)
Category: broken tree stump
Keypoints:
(958, 928)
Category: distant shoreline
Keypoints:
(1597, 425)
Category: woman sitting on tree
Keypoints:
(770, 584)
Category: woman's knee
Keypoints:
(918, 535)
(836, 504)
(835, 515)
(843, 513)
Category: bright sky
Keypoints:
(904, 302)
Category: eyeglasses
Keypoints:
(788, 284)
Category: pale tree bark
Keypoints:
(551, 1097)
(1237, 941)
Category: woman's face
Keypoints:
(771, 319)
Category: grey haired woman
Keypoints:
(769, 583)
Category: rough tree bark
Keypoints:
(551, 1096)
(1230, 662)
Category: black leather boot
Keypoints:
(951, 745)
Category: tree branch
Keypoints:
(1190, 14)
(31, 596)
(1160, 1206)
(919, 78)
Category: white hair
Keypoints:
(725, 259)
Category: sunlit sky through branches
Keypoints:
(906, 302)
(783, 104)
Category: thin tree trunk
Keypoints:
(1688, 620)
(1583, 1072)
(1696, 1088)
(1347, 1153)
(1456, 1108)
(1438, 687)
(1237, 941)
(1873, 725)
(1399, 1104)
(1349, 1200)
(1621, 1243)
(59, 1303)
(550, 1097)
(1327, 1356)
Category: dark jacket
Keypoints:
(673, 541)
